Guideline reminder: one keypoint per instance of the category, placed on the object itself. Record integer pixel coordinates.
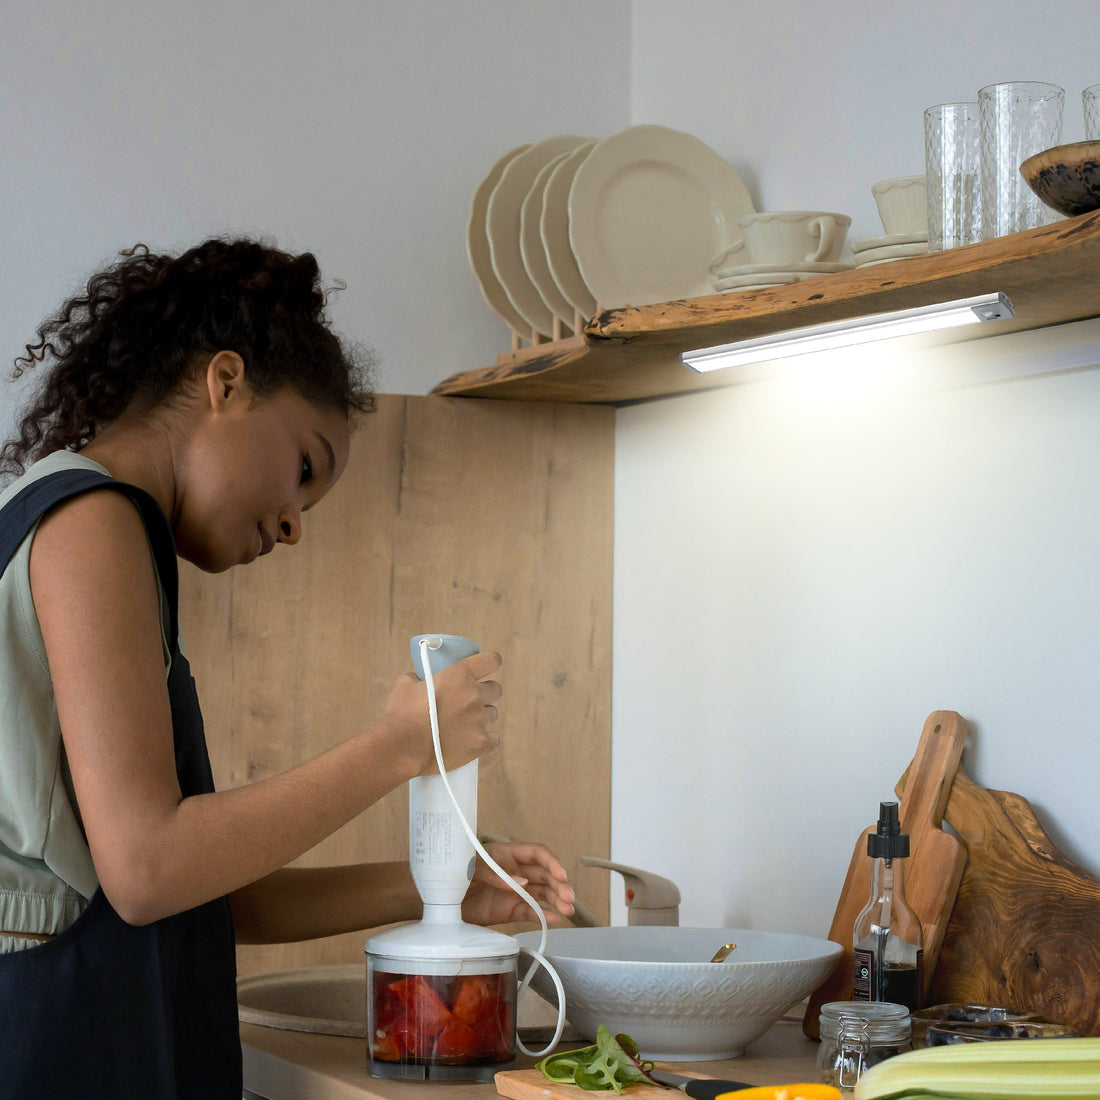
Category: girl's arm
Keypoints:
(304, 903)
(155, 852)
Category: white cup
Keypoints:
(794, 236)
(902, 204)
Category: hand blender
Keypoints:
(441, 993)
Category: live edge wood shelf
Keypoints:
(1051, 275)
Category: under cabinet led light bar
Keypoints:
(858, 330)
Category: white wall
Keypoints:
(802, 575)
(357, 129)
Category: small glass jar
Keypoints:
(856, 1035)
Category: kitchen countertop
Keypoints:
(293, 1065)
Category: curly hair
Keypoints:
(140, 325)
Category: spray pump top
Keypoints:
(888, 841)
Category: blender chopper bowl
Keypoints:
(441, 1002)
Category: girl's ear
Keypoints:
(225, 380)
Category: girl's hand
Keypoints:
(540, 873)
(466, 704)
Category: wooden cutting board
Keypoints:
(1025, 931)
(529, 1084)
(935, 866)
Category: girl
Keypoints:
(197, 406)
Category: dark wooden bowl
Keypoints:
(1067, 177)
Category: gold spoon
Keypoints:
(722, 952)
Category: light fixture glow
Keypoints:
(857, 330)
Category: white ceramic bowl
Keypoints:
(657, 985)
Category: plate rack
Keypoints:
(536, 345)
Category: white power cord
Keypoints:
(538, 956)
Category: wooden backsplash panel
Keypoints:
(486, 518)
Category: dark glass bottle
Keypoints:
(887, 940)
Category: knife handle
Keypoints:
(710, 1088)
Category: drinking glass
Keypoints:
(1090, 100)
(952, 163)
(1017, 120)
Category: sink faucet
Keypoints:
(650, 899)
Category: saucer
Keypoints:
(729, 282)
(789, 268)
(889, 241)
(896, 252)
(747, 286)
(885, 260)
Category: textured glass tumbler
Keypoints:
(952, 165)
(1090, 100)
(1017, 120)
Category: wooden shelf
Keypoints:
(1051, 275)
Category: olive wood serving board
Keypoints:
(935, 865)
(1025, 930)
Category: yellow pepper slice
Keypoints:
(785, 1092)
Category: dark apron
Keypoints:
(106, 1010)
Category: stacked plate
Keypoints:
(568, 222)
(759, 276)
(894, 246)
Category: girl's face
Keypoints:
(251, 468)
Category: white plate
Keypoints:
(894, 252)
(554, 230)
(889, 241)
(532, 250)
(777, 279)
(477, 247)
(502, 226)
(782, 269)
(648, 210)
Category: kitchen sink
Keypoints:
(325, 1000)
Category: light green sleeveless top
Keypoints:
(46, 873)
